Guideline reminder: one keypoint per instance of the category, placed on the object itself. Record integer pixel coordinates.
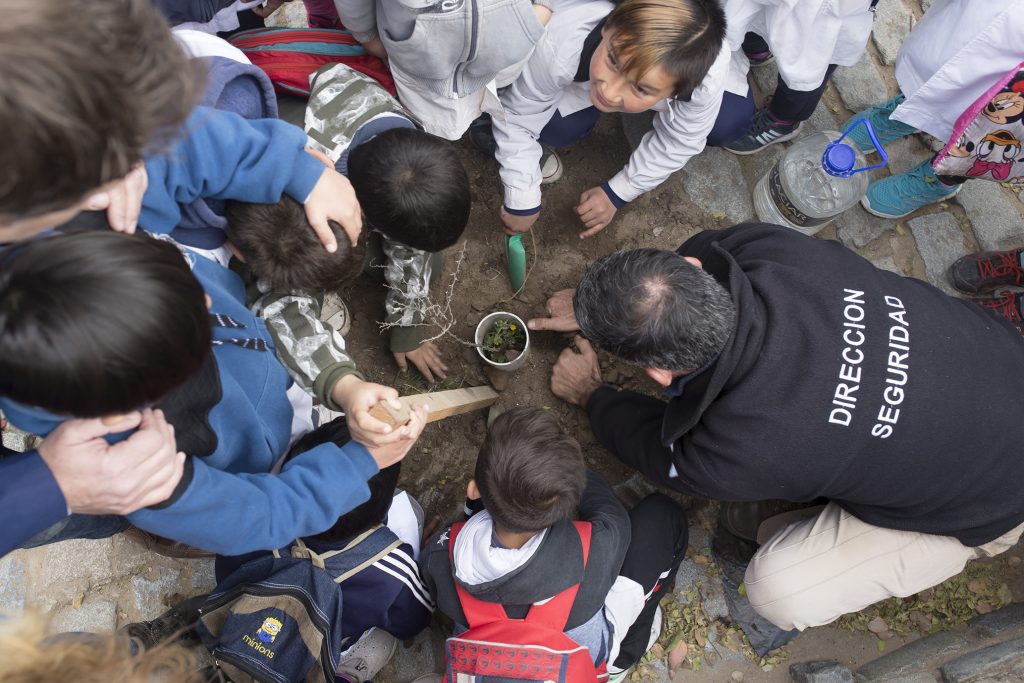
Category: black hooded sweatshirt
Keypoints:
(879, 392)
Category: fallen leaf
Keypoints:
(881, 645)
(700, 560)
(677, 656)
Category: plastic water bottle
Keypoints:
(817, 179)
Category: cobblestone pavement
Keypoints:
(99, 585)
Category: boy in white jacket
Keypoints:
(665, 55)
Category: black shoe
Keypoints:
(1007, 304)
(481, 135)
(177, 623)
(987, 271)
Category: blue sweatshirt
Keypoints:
(221, 155)
(229, 503)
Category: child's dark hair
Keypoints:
(88, 87)
(382, 486)
(529, 472)
(684, 37)
(98, 323)
(413, 188)
(279, 245)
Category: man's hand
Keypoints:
(515, 225)
(356, 397)
(561, 317)
(576, 375)
(376, 48)
(595, 210)
(97, 478)
(122, 200)
(388, 454)
(265, 10)
(333, 199)
(427, 359)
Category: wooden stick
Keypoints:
(440, 404)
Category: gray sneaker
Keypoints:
(335, 313)
(368, 656)
(764, 131)
(550, 167)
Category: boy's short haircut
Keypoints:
(98, 323)
(413, 188)
(87, 88)
(382, 486)
(529, 472)
(684, 37)
(279, 245)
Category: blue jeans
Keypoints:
(562, 131)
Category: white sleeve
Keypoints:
(679, 133)
(529, 104)
(359, 17)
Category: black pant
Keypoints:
(788, 104)
(657, 546)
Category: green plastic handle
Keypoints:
(515, 258)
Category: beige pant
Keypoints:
(812, 572)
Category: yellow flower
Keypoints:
(513, 328)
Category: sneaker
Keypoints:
(176, 623)
(764, 130)
(886, 129)
(335, 313)
(987, 270)
(482, 135)
(617, 675)
(905, 193)
(550, 167)
(757, 59)
(1006, 304)
(369, 655)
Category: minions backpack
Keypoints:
(277, 619)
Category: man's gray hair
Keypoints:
(654, 309)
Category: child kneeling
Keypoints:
(523, 551)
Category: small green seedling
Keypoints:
(504, 341)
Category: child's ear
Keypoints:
(209, 301)
(472, 492)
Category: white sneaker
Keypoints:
(616, 675)
(369, 655)
(550, 167)
(335, 313)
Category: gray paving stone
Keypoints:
(996, 623)
(826, 671)
(97, 616)
(203, 578)
(940, 243)
(920, 677)
(860, 85)
(887, 263)
(151, 588)
(17, 440)
(997, 223)
(892, 24)
(985, 663)
(821, 119)
(905, 154)
(858, 228)
(756, 166)
(70, 567)
(765, 79)
(419, 658)
(912, 657)
(12, 584)
(714, 181)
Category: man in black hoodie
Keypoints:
(794, 370)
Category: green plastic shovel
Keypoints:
(515, 257)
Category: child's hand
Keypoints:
(426, 358)
(376, 48)
(122, 199)
(517, 224)
(388, 454)
(356, 397)
(334, 199)
(264, 11)
(595, 210)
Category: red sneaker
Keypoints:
(987, 270)
(1006, 304)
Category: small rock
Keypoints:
(497, 378)
(1014, 561)
(983, 607)
(511, 355)
(820, 672)
(886, 635)
(700, 560)
(923, 621)
(657, 651)
(658, 230)
(977, 586)
(737, 676)
(878, 625)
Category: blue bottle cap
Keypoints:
(838, 160)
